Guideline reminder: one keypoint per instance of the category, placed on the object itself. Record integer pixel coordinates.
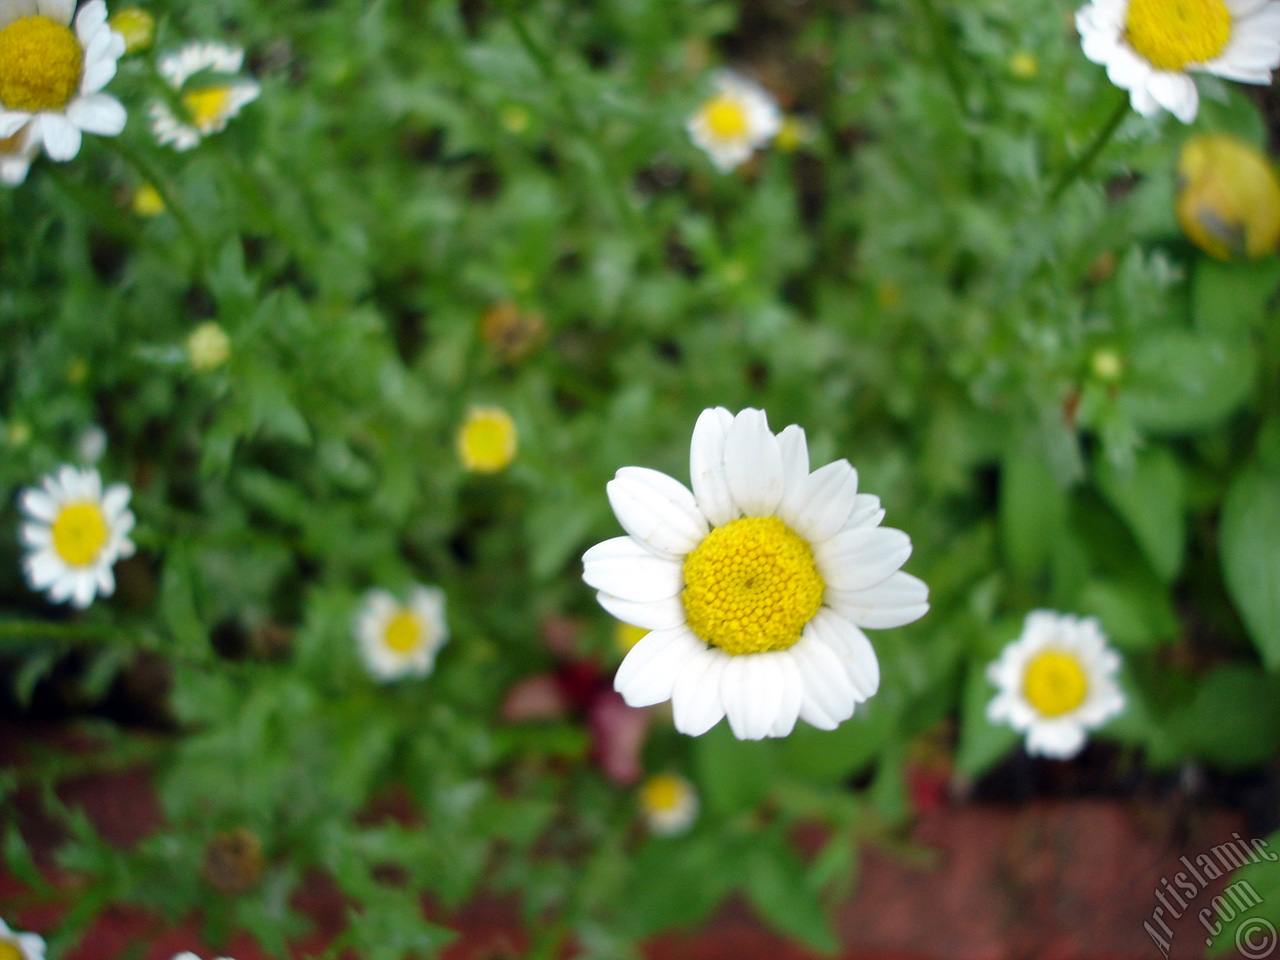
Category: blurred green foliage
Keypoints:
(1060, 400)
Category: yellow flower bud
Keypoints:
(136, 26)
(208, 347)
(147, 201)
(1228, 200)
(1023, 65)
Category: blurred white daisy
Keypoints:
(75, 533)
(20, 946)
(1055, 683)
(207, 105)
(16, 154)
(738, 118)
(188, 955)
(51, 78)
(669, 804)
(755, 586)
(401, 639)
(1149, 47)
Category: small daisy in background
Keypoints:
(1151, 47)
(188, 955)
(1055, 683)
(486, 440)
(75, 533)
(401, 639)
(669, 804)
(208, 105)
(51, 78)
(755, 585)
(739, 118)
(20, 946)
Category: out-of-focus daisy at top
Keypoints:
(755, 585)
(51, 77)
(207, 105)
(398, 639)
(74, 535)
(1150, 47)
(1055, 682)
(20, 946)
(738, 118)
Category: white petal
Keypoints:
(706, 466)
(38, 505)
(829, 695)
(851, 647)
(115, 499)
(11, 10)
(657, 510)
(753, 463)
(827, 501)
(91, 16)
(43, 569)
(106, 580)
(1176, 92)
(60, 137)
(627, 570)
(57, 10)
(1059, 741)
(97, 74)
(787, 675)
(86, 585)
(651, 668)
(867, 512)
(862, 557)
(696, 703)
(11, 121)
(97, 113)
(893, 602)
(795, 471)
(752, 695)
(37, 535)
(651, 615)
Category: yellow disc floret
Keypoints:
(208, 108)
(9, 951)
(404, 632)
(751, 586)
(663, 792)
(1054, 683)
(726, 118)
(1171, 34)
(40, 65)
(79, 533)
(487, 440)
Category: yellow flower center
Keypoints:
(207, 108)
(1171, 34)
(725, 118)
(404, 632)
(661, 793)
(751, 586)
(487, 440)
(1054, 683)
(40, 65)
(9, 951)
(79, 533)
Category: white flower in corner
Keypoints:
(20, 946)
(1055, 683)
(755, 585)
(51, 78)
(74, 535)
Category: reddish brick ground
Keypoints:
(1051, 880)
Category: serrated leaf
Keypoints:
(1233, 296)
(1179, 381)
(983, 744)
(1149, 495)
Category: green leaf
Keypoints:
(1180, 381)
(1249, 535)
(1150, 496)
(1233, 720)
(1228, 297)
(1135, 615)
(734, 775)
(1032, 508)
(983, 744)
(776, 887)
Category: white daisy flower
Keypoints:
(75, 533)
(738, 118)
(51, 79)
(397, 639)
(188, 955)
(20, 946)
(1149, 46)
(755, 585)
(669, 804)
(1055, 682)
(209, 105)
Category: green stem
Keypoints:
(19, 630)
(607, 169)
(945, 52)
(1085, 160)
(149, 173)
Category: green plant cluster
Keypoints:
(1062, 402)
